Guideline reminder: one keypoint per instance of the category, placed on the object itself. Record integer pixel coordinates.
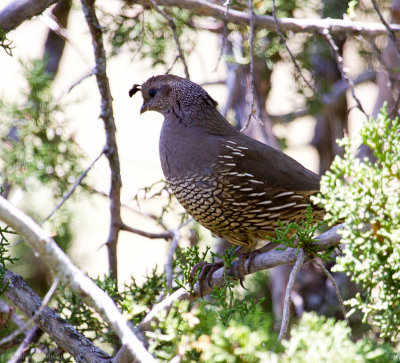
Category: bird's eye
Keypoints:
(152, 92)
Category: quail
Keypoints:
(235, 186)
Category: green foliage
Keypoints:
(365, 194)
(35, 143)
(317, 339)
(4, 256)
(5, 43)
(300, 235)
(151, 36)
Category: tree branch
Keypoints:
(12, 15)
(63, 268)
(111, 150)
(63, 333)
(45, 302)
(261, 262)
(313, 26)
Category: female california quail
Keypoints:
(235, 186)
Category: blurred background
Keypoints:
(42, 157)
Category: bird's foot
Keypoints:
(206, 271)
(243, 257)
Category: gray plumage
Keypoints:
(233, 185)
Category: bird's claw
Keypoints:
(206, 272)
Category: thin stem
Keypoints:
(74, 186)
(172, 25)
(391, 33)
(288, 49)
(286, 305)
(339, 60)
(335, 286)
(253, 112)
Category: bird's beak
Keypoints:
(143, 108)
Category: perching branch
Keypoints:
(111, 150)
(63, 268)
(63, 333)
(261, 262)
(313, 26)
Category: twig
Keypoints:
(24, 345)
(54, 24)
(339, 60)
(336, 287)
(171, 251)
(9, 311)
(391, 33)
(172, 64)
(288, 49)
(81, 79)
(224, 45)
(172, 25)
(130, 208)
(74, 186)
(63, 268)
(164, 235)
(45, 302)
(328, 99)
(253, 112)
(111, 149)
(286, 305)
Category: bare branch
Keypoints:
(164, 235)
(74, 186)
(29, 338)
(12, 15)
(111, 149)
(63, 333)
(283, 39)
(171, 251)
(45, 302)
(329, 98)
(63, 268)
(253, 112)
(339, 61)
(286, 305)
(391, 33)
(172, 25)
(336, 287)
(313, 26)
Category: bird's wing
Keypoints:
(266, 165)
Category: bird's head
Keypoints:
(167, 92)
